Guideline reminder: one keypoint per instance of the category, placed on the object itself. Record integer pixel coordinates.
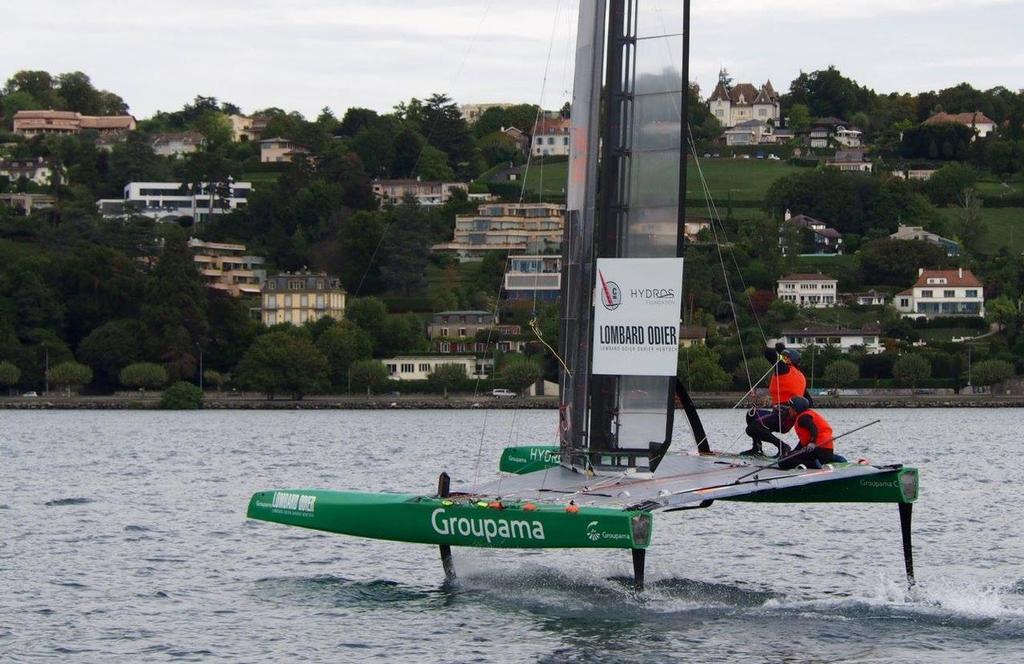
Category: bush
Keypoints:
(70, 375)
(841, 373)
(182, 396)
(991, 372)
(519, 373)
(9, 374)
(911, 370)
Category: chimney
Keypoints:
(960, 271)
(788, 215)
(920, 271)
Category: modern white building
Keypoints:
(733, 104)
(867, 338)
(816, 291)
(942, 293)
(168, 201)
(419, 367)
(533, 278)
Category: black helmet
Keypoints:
(799, 404)
(793, 355)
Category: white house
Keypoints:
(808, 290)
(419, 367)
(167, 201)
(942, 293)
(551, 137)
(871, 298)
(35, 170)
(733, 104)
(845, 340)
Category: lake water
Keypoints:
(124, 539)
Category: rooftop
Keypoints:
(797, 276)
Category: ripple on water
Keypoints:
(61, 502)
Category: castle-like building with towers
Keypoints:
(733, 104)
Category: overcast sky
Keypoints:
(306, 54)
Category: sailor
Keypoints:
(815, 434)
(787, 382)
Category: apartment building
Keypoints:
(227, 267)
(168, 201)
(281, 150)
(942, 293)
(845, 340)
(808, 290)
(426, 192)
(57, 123)
(536, 278)
(301, 296)
(513, 227)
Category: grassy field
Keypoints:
(1004, 227)
(260, 177)
(991, 186)
(743, 179)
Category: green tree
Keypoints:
(71, 376)
(445, 376)
(342, 344)
(182, 396)
(9, 374)
(991, 372)
(402, 333)
(699, 369)
(369, 375)
(895, 262)
(755, 367)
(911, 370)
(799, 118)
(216, 378)
(370, 314)
(283, 362)
(841, 373)
(405, 250)
(947, 185)
(111, 347)
(143, 376)
(175, 306)
(519, 373)
(1002, 311)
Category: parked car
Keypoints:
(760, 155)
(29, 394)
(715, 155)
(744, 156)
(502, 393)
(773, 157)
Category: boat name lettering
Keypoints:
(485, 527)
(878, 484)
(639, 335)
(297, 502)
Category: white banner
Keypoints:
(636, 316)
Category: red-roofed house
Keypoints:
(816, 291)
(551, 137)
(942, 293)
(976, 121)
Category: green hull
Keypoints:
(430, 520)
(898, 486)
(528, 458)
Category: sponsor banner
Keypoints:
(636, 316)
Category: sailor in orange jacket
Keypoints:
(815, 434)
(787, 381)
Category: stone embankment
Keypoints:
(384, 402)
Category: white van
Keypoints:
(502, 393)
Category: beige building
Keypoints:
(280, 150)
(733, 104)
(692, 335)
(551, 137)
(35, 123)
(244, 128)
(427, 193)
(472, 112)
(515, 227)
(300, 297)
(226, 267)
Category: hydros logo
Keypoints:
(466, 526)
(653, 294)
(611, 294)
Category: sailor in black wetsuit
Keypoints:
(815, 434)
(787, 382)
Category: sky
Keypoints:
(307, 54)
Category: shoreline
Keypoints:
(213, 401)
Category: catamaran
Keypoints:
(621, 306)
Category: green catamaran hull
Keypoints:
(432, 520)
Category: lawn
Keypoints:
(1004, 227)
(991, 186)
(260, 177)
(745, 180)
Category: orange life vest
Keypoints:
(824, 430)
(784, 387)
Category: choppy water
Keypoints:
(124, 539)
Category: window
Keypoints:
(288, 300)
(271, 285)
(304, 300)
(319, 301)
(288, 316)
(565, 141)
(444, 347)
(303, 316)
(462, 331)
(444, 331)
(391, 369)
(904, 302)
(948, 293)
(408, 367)
(540, 140)
(971, 292)
(424, 368)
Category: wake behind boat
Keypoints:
(621, 305)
